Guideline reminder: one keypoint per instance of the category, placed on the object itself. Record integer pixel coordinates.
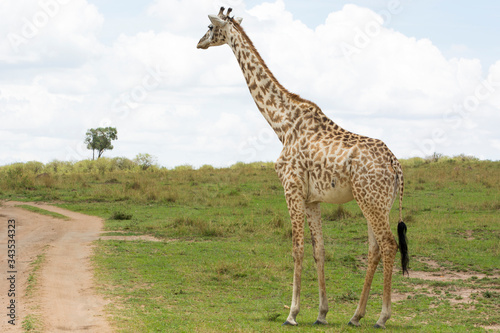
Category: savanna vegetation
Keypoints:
(224, 262)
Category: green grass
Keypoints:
(33, 322)
(33, 276)
(43, 212)
(226, 264)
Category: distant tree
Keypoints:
(145, 161)
(99, 139)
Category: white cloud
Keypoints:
(185, 105)
(386, 71)
(59, 32)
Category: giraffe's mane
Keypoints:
(294, 97)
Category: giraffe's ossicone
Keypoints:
(321, 162)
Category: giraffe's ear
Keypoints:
(238, 19)
(217, 21)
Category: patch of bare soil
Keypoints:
(492, 328)
(454, 294)
(444, 274)
(64, 298)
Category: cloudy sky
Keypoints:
(423, 76)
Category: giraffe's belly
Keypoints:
(334, 195)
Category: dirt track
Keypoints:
(65, 297)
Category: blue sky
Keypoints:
(427, 80)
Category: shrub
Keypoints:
(435, 157)
(118, 215)
(145, 161)
(414, 162)
(102, 165)
(45, 179)
(123, 163)
(185, 167)
(33, 167)
(56, 166)
(84, 166)
(197, 226)
(207, 167)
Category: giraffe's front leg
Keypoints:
(296, 208)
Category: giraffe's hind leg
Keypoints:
(389, 248)
(375, 190)
(373, 260)
(382, 246)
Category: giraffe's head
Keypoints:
(218, 30)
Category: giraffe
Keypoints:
(321, 162)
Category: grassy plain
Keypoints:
(225, 262)
(43, 212)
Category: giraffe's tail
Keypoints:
(403, 247)
(400, 184)
(403, 242)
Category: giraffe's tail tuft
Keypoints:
(403, 247)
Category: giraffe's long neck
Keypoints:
(278, 106)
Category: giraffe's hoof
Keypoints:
(287, 323)
(320, 322)
(379, 326)
(354, 324)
